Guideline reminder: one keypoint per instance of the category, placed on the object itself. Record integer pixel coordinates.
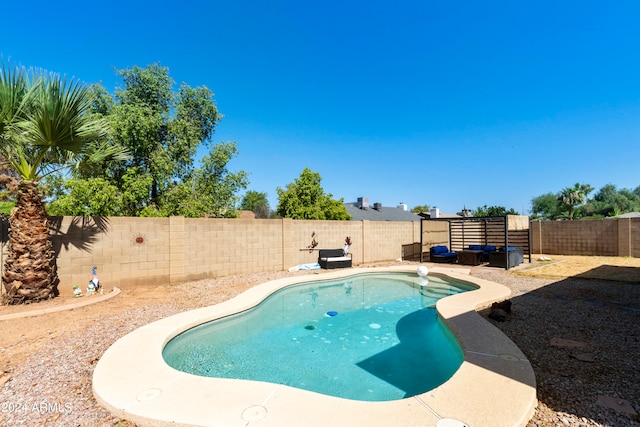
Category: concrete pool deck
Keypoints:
(495, 385)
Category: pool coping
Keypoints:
(495, 385)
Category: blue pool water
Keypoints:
(372, 337)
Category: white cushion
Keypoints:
(337, 258)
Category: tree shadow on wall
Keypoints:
(80, 233)
(582, 338)
(411, 251)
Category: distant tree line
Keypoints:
(574, 203)
(478, 212)
(493, 211)
(570, 203)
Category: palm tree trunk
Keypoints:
(30, 272)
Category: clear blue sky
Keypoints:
(444, 103)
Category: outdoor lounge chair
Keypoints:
(442, 254)
(334, 258)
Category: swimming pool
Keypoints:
(371, 337)
(494, 385)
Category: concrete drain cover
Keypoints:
(509, 357)
(254, 413)
(450, 422)
(152, 393)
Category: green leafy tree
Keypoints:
(494, 211)
(211, 190)
(609, 202)
(257, 203)
(305, 199)
(45, 125)
(162, 130)
(628, 201)
(572, 202)
(134, 189)
(573, 197)
(87, 197)
(546, 207)
(98, 196)
(421, 208)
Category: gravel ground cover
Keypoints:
(582, 339)
(581, 336)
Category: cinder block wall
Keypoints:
(380, 239)
(435, 233)
(608, 237)
(124, 250)
(132, 251)
(634, 238)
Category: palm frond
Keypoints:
(13, 86)
(47, 122)
(58, 115)
(94, 154)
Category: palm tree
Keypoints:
(573, 197)
(45, 126)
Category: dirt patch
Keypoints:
(622, 269)
(21, 337)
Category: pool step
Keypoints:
(437, 292)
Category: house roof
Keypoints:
(629, 215)
(247, 215)
(427, 215)
(379, 213)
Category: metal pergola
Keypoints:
(489, 230)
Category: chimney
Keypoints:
(435, 212)
(363, 202)
(403, 206)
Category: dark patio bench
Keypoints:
(442, 254)
(334, 258)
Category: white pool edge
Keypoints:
(495, 385)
